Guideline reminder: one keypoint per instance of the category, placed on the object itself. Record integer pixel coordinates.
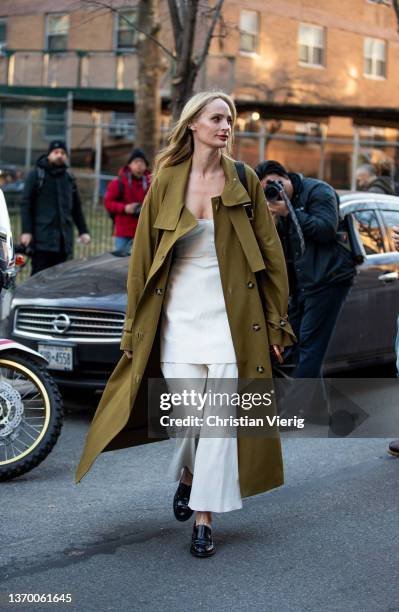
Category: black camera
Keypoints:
(274, 191)
(24, 250)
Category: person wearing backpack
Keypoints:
(124, 197)
(50, 207)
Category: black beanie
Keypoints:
(57, 144)
(135, 154)
(270, 167)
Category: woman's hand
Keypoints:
(129, 354)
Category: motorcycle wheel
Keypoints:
(31, 414)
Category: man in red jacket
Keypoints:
(124, 197)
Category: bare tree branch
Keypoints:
(395, 4)
(187, 42)
(177, 24)
(217, 10)
(102, 4)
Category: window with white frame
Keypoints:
(54, 121)
(3, 34)
(311, 43)
(57, 27)
(126, 34)
(375, 57)
(249, 31)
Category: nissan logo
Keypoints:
(61, 323)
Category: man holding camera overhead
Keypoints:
(320, 267)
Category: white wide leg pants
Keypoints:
(213, 461)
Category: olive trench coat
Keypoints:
(255, 289)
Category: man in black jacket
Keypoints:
(50, 206)
(320, 268)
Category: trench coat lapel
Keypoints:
(169, 214)
(176, 219)
(234, 195)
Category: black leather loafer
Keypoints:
(181, 509)
(201, 542)
(393, 448)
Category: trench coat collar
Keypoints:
(173, 203)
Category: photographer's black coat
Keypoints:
(325, 261)
(50, 209)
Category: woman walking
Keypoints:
(207, 298)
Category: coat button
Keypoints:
(283, 323)
(260, 369)
(159, 291)
(250, 285)
(256, 327)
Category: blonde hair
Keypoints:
(180, 141)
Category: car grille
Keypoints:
(68, 323)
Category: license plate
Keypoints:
(58, 357)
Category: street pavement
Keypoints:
(327, 541)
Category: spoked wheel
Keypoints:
(31, 414)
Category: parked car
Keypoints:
(73, 313)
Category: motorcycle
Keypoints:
(31, 409)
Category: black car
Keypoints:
(73, 313)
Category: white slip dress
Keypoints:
(196, 343)
(194, 326)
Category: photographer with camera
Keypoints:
(320, 268)
(124, 197)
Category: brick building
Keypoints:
(309, 79)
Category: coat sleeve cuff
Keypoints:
(279, 330)
(126, 342)
(127, 337)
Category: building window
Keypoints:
(249, 31)
(311, 45)
(375, 57)
(126, 35)
(57, 27)
(3, 34)
(54, 121)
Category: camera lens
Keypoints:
(272, 192)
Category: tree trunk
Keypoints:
(147, 93)
(184, 16)
(395, 4)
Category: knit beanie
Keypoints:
(137, 154)
(57, 144)
(270, 167)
